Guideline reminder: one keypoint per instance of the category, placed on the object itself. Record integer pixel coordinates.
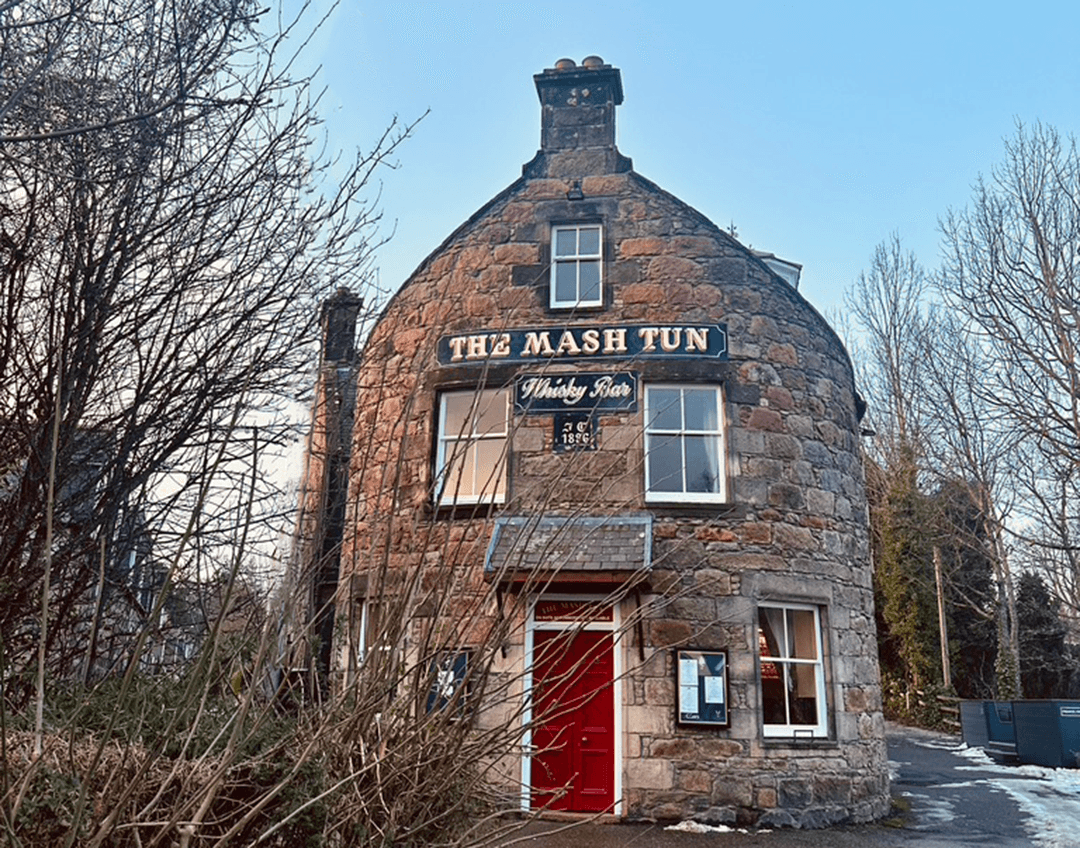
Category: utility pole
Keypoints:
(943, 626)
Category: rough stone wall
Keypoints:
(796, 526)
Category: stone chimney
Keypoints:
(339, 314)
(577, 119)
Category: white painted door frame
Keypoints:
(614, 626)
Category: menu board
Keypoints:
(702, 687)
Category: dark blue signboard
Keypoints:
(573, 344)
(575, 431)
(538, 394)
(449, 673)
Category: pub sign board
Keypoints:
(586, 342)
(702, 687)
(540, 394)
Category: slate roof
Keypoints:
(570, 544)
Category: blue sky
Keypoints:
(816, 128)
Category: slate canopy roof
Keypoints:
(569, 546)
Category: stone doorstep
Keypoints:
(567, 816)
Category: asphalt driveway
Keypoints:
(943, 796)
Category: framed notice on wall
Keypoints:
(701, 678)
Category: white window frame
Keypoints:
(576, 259)
(720, 445)
(788, 730)
(462, 436)
(363, 642)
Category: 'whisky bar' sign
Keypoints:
(537, 394)
(623, 341)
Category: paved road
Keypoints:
(943, 800)
(952, 802)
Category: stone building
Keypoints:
(597, 426)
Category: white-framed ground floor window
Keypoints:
(792, 671)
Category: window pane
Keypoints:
(803, 681)
(700, 409)
(472, 441)
(456, 482)
(368, 627)
(665, 464)
(702, 464)
(771, 631)
(791, 671)
(589, 280)
(803, 694)
(773, 693)
(489, 468)
(566, 282)
(458, 406)
(491, 412)
(566, 242)
(665, 410)
(589, 244)
(801, 632)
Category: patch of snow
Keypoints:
(1050, 797)
(1054, 807)
(932, 811)
(698, 827)
(941, 744)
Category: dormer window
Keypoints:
(576, 266)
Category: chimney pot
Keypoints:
(592, 62)
(565, 65)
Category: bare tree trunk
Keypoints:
(1008, 662)
(95, 624)
(50, 515)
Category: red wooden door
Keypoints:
(574, 704)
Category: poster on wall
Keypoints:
(702, 687)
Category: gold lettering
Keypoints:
(649, 334)
(670, 338)
(456, 345)
(537, 344)
(568, 344)
(501, 347)
(477, 347)
(697, 338)
(615, 341)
